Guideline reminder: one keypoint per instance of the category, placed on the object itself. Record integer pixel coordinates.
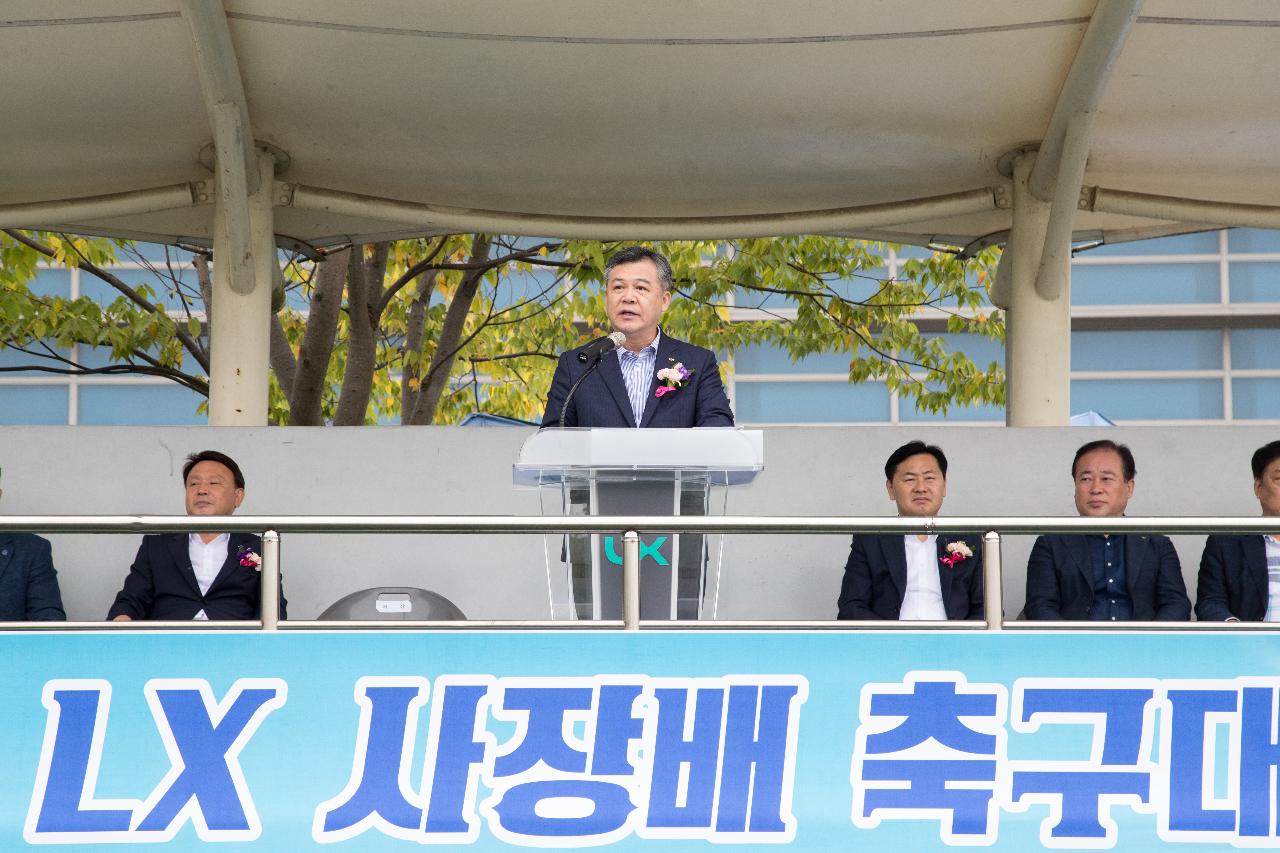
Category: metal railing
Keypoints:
(995, 527)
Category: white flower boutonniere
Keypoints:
(956, 551)
(674, 377)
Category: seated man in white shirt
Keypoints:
(180, 576)
(917, 576)
(1240, 574)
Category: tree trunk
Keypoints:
(364, 292)
(415, 335)
(283, 363)
(206, 295)
(455, 318)
(309, 383)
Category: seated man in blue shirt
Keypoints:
(916, 576)
(1105, 577)
(28, 581)
(1240, 575)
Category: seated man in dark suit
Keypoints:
(652, 380)
(915, 576)
(1240, 575)
(198, 575)
(28, 581)
(1105, 577)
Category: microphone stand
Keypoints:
(564, 410)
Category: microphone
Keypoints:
(593, 352)
(599, 348)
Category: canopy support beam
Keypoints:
(221, 86)
(1071, 126)
(1033, 280)
(1058, 168)
(240, 320)
(450, 220)
(1037, 296)
(1217, 214)
(244, 263)
(57, 213)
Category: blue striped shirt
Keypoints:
(1272, 548)
(637, 373)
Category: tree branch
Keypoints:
(448, 345)
(410, 274)
(169, 373)
(552, 356)
(137, 298)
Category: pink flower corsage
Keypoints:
(956, 551)
(673, 378)
(249, 558)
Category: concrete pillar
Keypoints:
(243, 277)
(1038, 331)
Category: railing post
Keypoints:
(270, 580)
(992, 588)
(631, 580)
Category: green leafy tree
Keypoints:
(425, 331)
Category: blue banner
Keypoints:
(828, 740)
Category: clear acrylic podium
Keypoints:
(636, 472)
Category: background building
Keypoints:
(1180, 329)
(1176, 330)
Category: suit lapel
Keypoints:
(7, 549)
(234, 543)
(1135, 561)
(668, 355)
(1078, 548)
(893, 551)
(611, 372)
(946, 574)
(180, 552)
(1255, 566)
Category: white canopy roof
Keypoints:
(634, 119)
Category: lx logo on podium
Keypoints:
(652, 550)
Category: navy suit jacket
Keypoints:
(28, 581)
(162, 585)
(1060, 579)
(601, 400)
(875, 578)
(1233, 579)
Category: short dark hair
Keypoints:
(914, 448)
(1129, 467)
(1264, 456)
(631, 254)
(213, 456)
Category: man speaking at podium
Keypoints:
(637, 376)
